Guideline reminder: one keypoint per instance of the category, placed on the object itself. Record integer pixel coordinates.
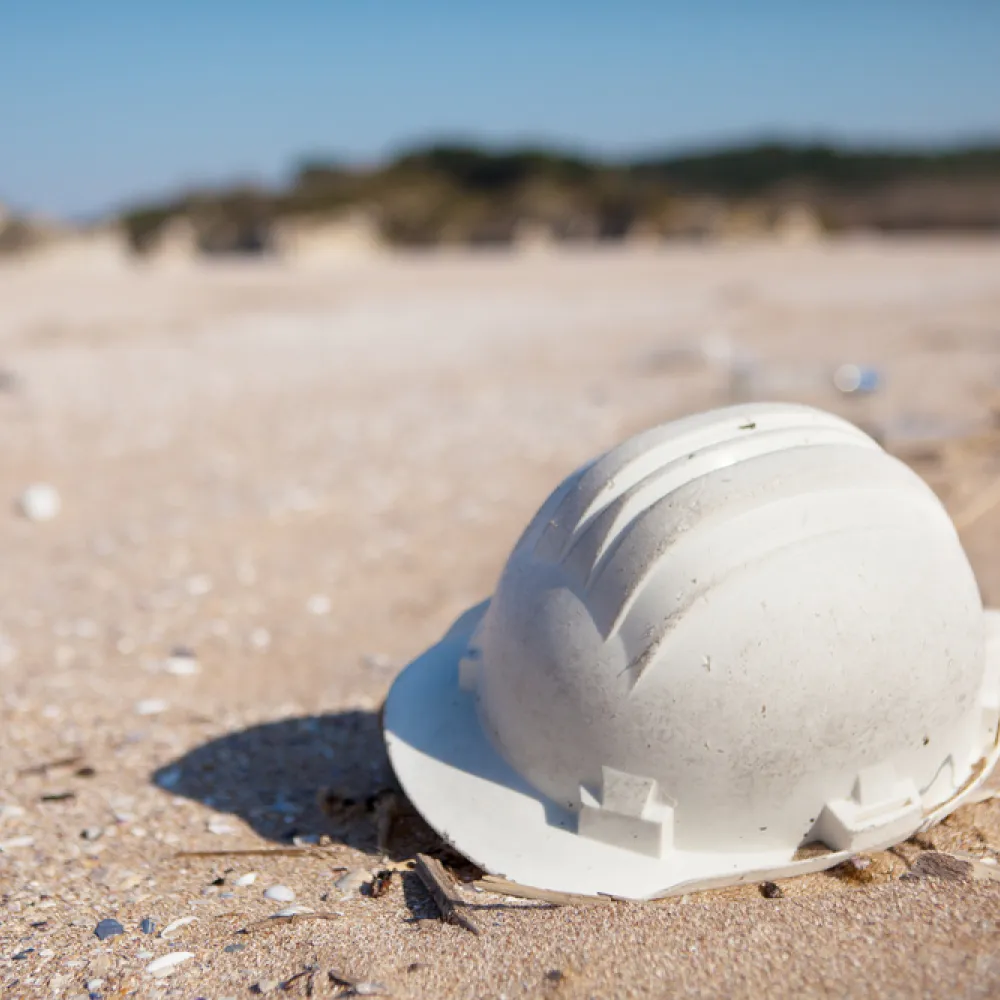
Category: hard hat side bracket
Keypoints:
(628, 812)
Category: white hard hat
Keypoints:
(726, 641)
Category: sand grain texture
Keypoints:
(302, 477)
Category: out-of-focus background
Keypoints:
(305, 308)
(238, 128)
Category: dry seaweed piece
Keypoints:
(856, 869)
(435, 878)
(380, 883)
(936, 864)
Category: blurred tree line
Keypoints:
(465, 194)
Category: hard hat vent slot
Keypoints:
(628, 812)
(624, 467)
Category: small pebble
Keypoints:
(40, 502)
(108, 928)
(92, 832)
(232, 948)
(266, 986)
(10, 811)
(86, 628)
(248, 879)
(260, 638)
(369, 990)
(14, 842)
(166, 964)
(771, 890)
(182, 663)
(199, 585)
(151, 706)
(147, 926)
(220, 827)
(279, 893)
(319, 604)
(8, 651)
(144, 955)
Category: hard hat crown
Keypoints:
(726, 638)
(736, 619)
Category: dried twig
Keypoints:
(386, 806)
(309, 970)
(356, 987)
(292, 918)
(978, 507)
(504, 887)
(435, 878)
(57, 797)
(255, 851)
(50, 765)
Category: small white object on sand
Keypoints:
(174, 926)
(166, 964)
(353, 880)
(319, 604)
(7, 845)
(40, 502)
(151, 706)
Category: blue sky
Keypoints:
(103, 101)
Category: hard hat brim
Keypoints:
(480, 805)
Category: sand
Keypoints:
(303, 474)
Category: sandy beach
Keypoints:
(281, 482)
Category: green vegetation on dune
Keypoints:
(469, 194)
